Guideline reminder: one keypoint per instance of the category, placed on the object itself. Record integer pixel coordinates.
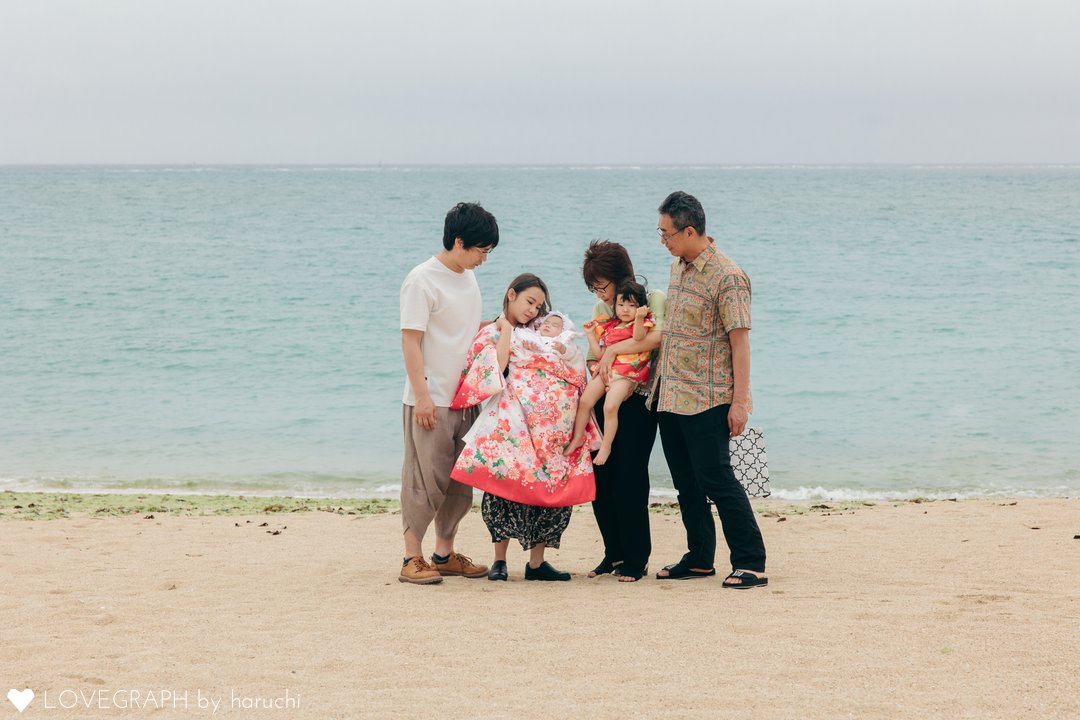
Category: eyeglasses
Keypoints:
(667, 236)
(597, 289)
(483, 251)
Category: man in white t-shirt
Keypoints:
(440, 314)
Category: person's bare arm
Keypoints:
(629, 346)
(412, 349)
(639, 322)
(740, 366)
(590, 337)
(502, 347)
(650, 342)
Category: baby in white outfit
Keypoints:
(554, 336)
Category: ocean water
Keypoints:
(208, 329)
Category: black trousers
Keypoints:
(622, 486)
(696, 447)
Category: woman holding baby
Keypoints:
(528, 372)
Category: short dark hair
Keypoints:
(606, 260)
(523, 282)
(631, 290)
(473, 224)
(684, 210)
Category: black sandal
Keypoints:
(678, 571)
(632, 576)
(746, 580)
(605, 567)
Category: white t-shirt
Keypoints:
(446, 306)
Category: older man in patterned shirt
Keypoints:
(702, 391)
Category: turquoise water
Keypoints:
(235, 328)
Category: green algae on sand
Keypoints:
(48, 506)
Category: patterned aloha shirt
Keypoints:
(706, 299)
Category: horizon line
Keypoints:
(383, 165)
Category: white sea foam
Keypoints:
(293, 485)
(839, 494)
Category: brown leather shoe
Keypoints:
(458, 564)
(419, 572)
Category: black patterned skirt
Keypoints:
(528, 524)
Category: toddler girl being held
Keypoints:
(632, 320)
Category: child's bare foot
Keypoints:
(602, 456)
(577, 442)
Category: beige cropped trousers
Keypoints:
(427, 492)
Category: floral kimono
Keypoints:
(515, 448)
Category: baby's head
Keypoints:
(552, 325)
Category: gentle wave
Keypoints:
(340, 487)
(313, 485)
(856, 494)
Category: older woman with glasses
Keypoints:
(622, 483)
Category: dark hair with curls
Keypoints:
(606, 260)
(630, 290)
(684, 210)
(473, 224)
(523, 282)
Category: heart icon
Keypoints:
(20, 699)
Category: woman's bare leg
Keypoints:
(536, 555)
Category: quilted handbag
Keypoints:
(749, 462)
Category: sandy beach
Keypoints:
(943, 609)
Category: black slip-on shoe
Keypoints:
(497, 571)
(544, 572)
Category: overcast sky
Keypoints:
(499, 81)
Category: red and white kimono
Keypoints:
(515, 448)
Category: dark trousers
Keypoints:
(622, 486)
(696, 447)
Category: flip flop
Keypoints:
(678, 571)
(746, 580)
